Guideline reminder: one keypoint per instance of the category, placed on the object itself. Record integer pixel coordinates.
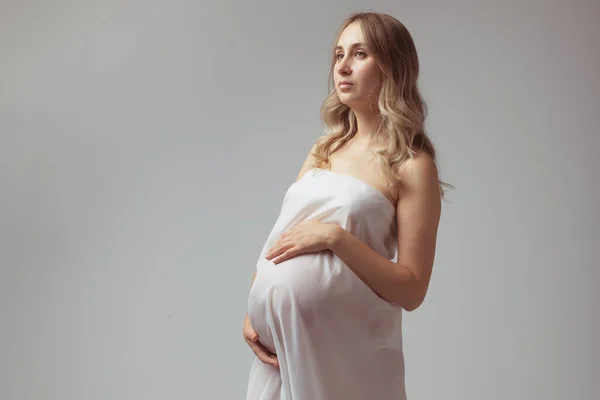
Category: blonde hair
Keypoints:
(402, 110)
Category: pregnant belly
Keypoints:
(310, 292)
(298, 288)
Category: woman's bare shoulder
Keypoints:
(412, 171)
(309, 163)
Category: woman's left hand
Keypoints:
(308, 236)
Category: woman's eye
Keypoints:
(337, 56)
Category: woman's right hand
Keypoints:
(261, 352)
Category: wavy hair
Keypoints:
(402, 110)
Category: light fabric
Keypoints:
(334, 337)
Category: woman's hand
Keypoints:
(261, 352)
(308, 236)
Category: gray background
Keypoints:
(146, 147)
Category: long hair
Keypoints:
(402, 110)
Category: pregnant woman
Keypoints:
(325, 307)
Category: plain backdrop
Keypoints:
(146, 147)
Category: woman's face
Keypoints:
(356, 65)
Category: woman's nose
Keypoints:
(343, 67)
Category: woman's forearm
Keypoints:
(394, 282)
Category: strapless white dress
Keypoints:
(334, 337)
